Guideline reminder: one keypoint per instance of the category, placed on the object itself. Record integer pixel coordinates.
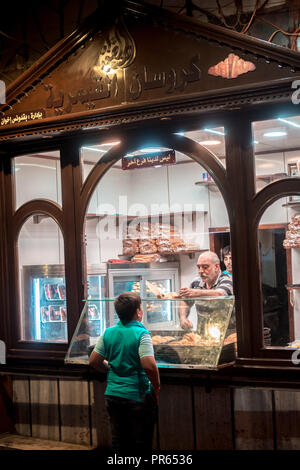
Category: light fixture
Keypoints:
(209, 142)
(255, 142)
(111, 143)
(95, 150)
(151, 150)
(213, 131)
(179, 133)
(275, 134)
(289, 122)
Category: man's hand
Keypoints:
(185, 324)
(187, 292)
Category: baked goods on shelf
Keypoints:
(130, 247)
(161, 339)
(147, 238)
(143, 258)
(292, 239)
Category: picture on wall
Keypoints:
(294, 170)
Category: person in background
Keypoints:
(126, 353)
(211, 282)
(226, 252)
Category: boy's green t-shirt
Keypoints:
(119, 346)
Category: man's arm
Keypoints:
(98, 362)
(196, 293)
(183, 312)
(149, 365)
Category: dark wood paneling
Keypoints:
(21, 400)
(74, 411)
(6, 405)
(241, 178)
(100, 418)
(175, 425)
(253, 419)
(213, 419)
(287, 406)
(73, 259)
(44, 408)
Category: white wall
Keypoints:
(37, 178)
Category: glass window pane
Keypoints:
(157, 217)
(37, 177)
(277, 149)
(42, 281)
(91, 154)
(279, 248)
(212, 138)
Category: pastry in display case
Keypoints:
(208, 345)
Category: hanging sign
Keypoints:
(148, 159)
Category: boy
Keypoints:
(125, 351)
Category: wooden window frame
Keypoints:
(244, 207)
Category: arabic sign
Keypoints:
(149, 159)
(22, 117)
(170, 80)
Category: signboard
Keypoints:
(148, 159)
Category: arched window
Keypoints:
(279, 251)
(150, 216)
(37, 176)
(42, 280)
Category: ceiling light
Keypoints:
(289, 122)
(275, 134)
(214, 132)
(209, 142)
(95, 150)
(255, 142)
(151, 150)
(111, 143)
(179, 133)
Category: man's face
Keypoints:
(208, 271)
(227, 262)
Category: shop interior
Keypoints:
(126, 246)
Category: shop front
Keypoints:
(133, 146)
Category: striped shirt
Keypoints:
(223, 282)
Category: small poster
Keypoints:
(148, 159)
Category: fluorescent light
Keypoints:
(111, 143)
(289, 122)
(275, 134)
(214, 132)
(34, 164)
(209, 142)
(151, 150)
(179, 133)
(95, 150)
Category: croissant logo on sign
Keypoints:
(231, 67)
(296, 357)
(2, 92)
(2, 352)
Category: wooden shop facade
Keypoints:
(142, 113)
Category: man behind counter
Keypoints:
(211, 282)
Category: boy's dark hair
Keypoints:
(226, 250)
(126, 305)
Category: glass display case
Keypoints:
(146, 279)
(210, 343)
(45, 307)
